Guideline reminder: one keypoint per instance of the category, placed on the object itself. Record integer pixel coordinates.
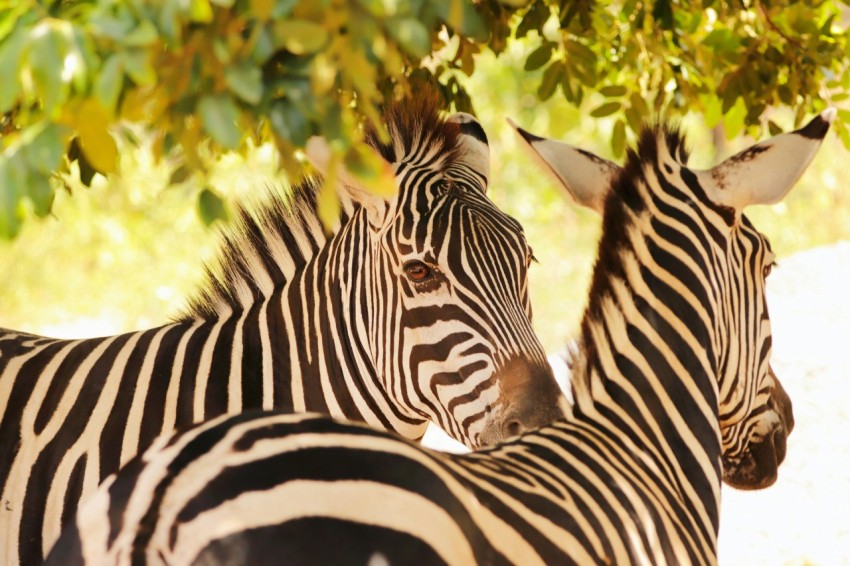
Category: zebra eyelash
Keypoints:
(766, 271)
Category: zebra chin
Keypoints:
(529, 398)
(759, 466)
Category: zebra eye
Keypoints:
(529, 256)
(417, 271)
(768, 268)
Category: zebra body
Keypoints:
(416, 309)
(673, 393)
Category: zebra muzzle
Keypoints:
(529, 397)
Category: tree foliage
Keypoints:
(218, 75)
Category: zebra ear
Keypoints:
(586, 177)
(766, 171)
(475, 149)
(320, 154)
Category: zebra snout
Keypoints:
(529, 397)
(757, 467)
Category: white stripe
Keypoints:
(203, 375)
(130, 444)
(268, 365)
(173, 393)
(234, 380)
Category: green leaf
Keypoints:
(605, 109)
(211, 207)
(533, 19)
(180, 175)
(11, 18)
(411, 34)
(639, 104)
(283, 8)
(40, 192)
(662, 11)
(712, 110)
(300, 37)
(773, 128)
(634, 119)
(613, 91)
(461, 16)
(722, 40)
(10, 196)
(843, 135)
(11, 52)
(262, 9)
(45, 60)
(580, 51)
(289, 123)
(109, 82)
(137, 63)
(551, 77)
(42, 147)
(245, 81)
(144, 34)
(618, 139)
(539, 57)
(220, 116)
(733, 120)
(95, 140)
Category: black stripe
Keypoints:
(474, 129)
(111, 437)
(319, 540)
(154, 402)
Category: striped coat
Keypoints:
(673, 393)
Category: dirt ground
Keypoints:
(803, 519)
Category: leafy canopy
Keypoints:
(208, 76)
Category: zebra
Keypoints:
(673, 388)
(415, 310)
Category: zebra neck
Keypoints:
(646, 375)
(321, 331)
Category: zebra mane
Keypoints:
(264, 248)
(260, 252)
(623, 203)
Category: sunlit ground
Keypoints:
(125, 254)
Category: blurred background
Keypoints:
(125, 254)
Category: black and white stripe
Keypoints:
(297, 321)
(673, 392)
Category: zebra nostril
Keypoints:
(514, 428)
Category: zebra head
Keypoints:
(445, 292)
(703, 210)
(755, 411)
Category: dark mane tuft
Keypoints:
(623, 204)
(416, 122)
(259, 252)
